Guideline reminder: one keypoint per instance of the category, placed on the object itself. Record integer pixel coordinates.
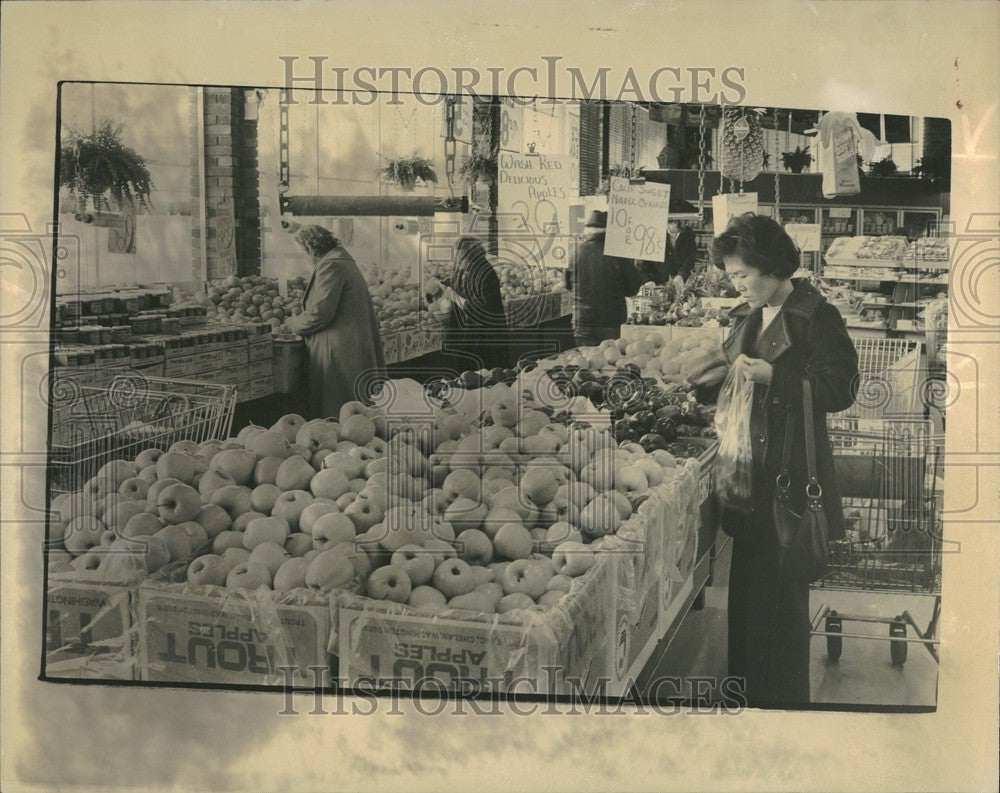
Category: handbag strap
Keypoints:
(809, 437)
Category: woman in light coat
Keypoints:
(338, 322)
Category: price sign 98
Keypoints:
(647, 238)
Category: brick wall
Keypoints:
(231, 195)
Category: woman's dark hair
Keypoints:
(475, 280)
(760, 242)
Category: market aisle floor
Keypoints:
(863, 675)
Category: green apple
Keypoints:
(516, 600)
(527, 576)
(238, 464)
(289, 425)
(422, 596)
(134, 488)
(271, 555)
(329, 483)
(274, 529)
(294, 474)
(332, 529)
(175, 465)
(512, 541)
(482, 602)
(298, 544)
(291, 575)
(263, 497)
(290, 506)
(227, 539)
(474, 547)
(242, 521)
(329, 570)
(82, 534)
(235, 499)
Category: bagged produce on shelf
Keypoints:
(734, 460)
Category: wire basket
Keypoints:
(889, 386)
(93, 425)
(889, 480)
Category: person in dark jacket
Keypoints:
(476, 328)
(785, 331)
(600, 285)
(681, 252)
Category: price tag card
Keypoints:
(840, 212)
(728, 205)
(637, 220)
(805, 235)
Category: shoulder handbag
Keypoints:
(802, 539)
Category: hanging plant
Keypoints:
(796, 160)
(742, 143)
(479, 168)
(884, 167)
(100, 168)
(407, 171)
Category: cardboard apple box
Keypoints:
(88, 629)
(90, 625)
(209, 634)
(385, 644)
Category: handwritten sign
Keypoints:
(728, 205)
(637, 220)
(535, 192)
(511, 116)
(122, 240)
(840, 212)
(805, 235)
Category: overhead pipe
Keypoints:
(371, 206)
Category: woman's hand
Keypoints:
(755, 369)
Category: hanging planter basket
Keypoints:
(100, 172)
(742, 144)
(405, 172)
(796, 161)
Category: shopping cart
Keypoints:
(93, 425)
(890, 386)
(891, 487)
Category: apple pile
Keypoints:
(250, 299)
(396, 296)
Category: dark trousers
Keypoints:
(768, 628)
(592, 335)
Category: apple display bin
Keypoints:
(653, 554)
(288, 364)
(385, 644)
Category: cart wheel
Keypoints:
(898, 649)
(834, 644)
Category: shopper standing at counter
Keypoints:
(786, 332)
(338, 321)
(476, 326)
(680, 254)
(600, 284)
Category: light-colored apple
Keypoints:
(314, 512)
(271, 443)
(146, 458)
(134, 488)
(464, 514)
(82, 534)
(263, 498)
(242, 521)
(332, 529)
(329, 570)
(417, 561)
(261, 530)
(516, 600)
(271, 555)
(144, 524)
(512, 541)
(358, 429)
(481, 602)
(249, 576)
(329, 483)
(238, 464)
(561, 583)
(175, 465)
(423, 596)
(289, 425)
(178, 503)
(266, 470)
(527, 576)
(208, 570)
(453, 577)
(294, 474)
(364, 512)
(573, 559)
(290, 506)
(291, 575)
(298, 544)
(177, 541)
(234, 556)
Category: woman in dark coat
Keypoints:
(339, 325)
(476, 329)
(786, 331)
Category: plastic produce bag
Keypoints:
(734, 460)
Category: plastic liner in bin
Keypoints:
(385, 644)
